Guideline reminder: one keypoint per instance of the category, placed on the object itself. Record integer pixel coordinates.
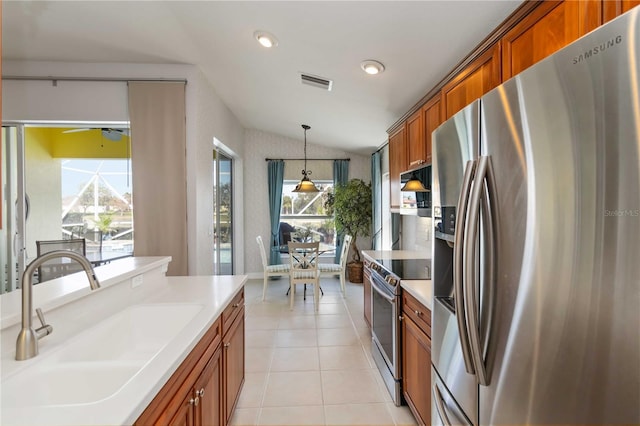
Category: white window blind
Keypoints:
(158, 148)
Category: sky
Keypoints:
(114, 171)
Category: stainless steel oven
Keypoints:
(385, 332)
(385, 316)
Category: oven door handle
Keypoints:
(382, 293)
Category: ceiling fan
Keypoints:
(107, 132)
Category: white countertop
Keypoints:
(126, 405)
(58, 292)
(422, 290)
(395, 254)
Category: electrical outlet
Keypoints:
(136, 281)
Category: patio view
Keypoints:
(303, 215)
(99, 209)
(77, 185)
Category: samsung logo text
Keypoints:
(597, 49)
(622, 213)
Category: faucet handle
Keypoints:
(46, 329)
(40, 316)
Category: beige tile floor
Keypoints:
(308, 368)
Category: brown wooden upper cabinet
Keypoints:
(542, 28)
(398, 156)
(418, 130)
(472, 82)
(432, 117)
(614, 8)
(547, 29)
(415, 140)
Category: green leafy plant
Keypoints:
(351, 206)
(104, 222)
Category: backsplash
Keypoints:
(417, 233)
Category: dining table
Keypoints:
(324, 248)
(98, 258)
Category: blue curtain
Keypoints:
(376, 200)
(275, 176)
(340, 177)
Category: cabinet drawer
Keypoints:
(417, 312)
(232, 311)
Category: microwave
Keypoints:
(416, 203)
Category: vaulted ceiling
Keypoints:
(419, 42)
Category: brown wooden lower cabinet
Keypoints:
(201, 406)
(208, 390)
(184, 416)
(416, 360)
(233, 365)
(206, 386)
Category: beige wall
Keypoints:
(417, 233)
(211, 120)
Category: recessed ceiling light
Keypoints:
(372, 67)
(266, 39)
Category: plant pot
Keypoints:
(355, 271)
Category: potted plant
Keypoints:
(350, 205)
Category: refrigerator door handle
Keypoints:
(483, 183)
(487, 302)
(458, 253)
(437, 399)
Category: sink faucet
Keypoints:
(27, 343)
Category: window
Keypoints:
(96, 203)
(222, 213)
(303, 214)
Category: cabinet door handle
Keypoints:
(226, 345)
(235, 305)
(400, 317)
(195, 401)
(417, 312)
(200, 393)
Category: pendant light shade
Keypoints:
(414, 185)
(305, 185)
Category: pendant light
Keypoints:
(414, 185)
(306, 185)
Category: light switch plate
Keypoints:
(136, 281)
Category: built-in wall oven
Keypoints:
(385, 316)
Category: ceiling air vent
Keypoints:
(314, 80)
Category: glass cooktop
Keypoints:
(407, 269)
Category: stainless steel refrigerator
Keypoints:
(536, 256)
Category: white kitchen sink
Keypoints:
(69, 384)
(98, 362)
(137, 333)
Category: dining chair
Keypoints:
(303, 259)
(57, 268)
(331, 269)
(278, 270)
